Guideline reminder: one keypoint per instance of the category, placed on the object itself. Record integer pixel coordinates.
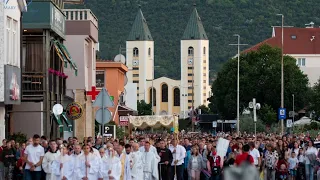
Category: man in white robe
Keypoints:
(48, 159)
(110, 166)
(137, 164)
(87, 166)
(125, 162)
(77, 152)
(152, 149)
(63, 167)
(150, 164)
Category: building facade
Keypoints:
(82, 42)
(195, 63)
(112, 76)
(166, 96)
(193, 88)
(10, 59)
(140, 55)
(300, 43)
(44, 58)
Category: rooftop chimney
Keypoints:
(310, 25)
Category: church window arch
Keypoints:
(176, 97)
(190, 51)
(154, 96)
(135, 52)
(164, 93)
(149, 51)
(204, 50)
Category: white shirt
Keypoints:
(179, 155)
(310, 150)
(256, 155)
(293, 162)
(34, 153)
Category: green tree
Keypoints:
(260, 78)
(204, 109)
(315, 98)
(144, 108)
(247, 124)
(267, 114)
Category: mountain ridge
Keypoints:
(167, 20)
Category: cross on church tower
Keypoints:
(93, 93)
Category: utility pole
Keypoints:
(282, 73)
(192, 108)
(152, 88)
(238, 83)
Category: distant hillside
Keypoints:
(167, 19)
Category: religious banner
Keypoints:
(143, 122)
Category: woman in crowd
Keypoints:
(9, 160)
(215, 165)
(310, 157)
(195, 164)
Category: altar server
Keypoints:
(110, 166)
(48, 159)
(87, 165)
(63, 167)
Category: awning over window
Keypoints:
(64, 55)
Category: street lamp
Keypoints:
(255, 106)
(282, 79)
(238, 83)
(152, 99)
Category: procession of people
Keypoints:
(161, 157)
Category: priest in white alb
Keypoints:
(87, 165)
(63, 167)
(150, 164)
(48, 159)
(137, 164)
(110, 165)
(125, 162)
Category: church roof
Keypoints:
(194, 29)
(140, 30)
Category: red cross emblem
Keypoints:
(93, 93)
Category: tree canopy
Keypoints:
(315, 99)
(144, 108)
(167, 20)
(260, 78)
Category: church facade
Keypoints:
(170, 96)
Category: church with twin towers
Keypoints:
(170, 96)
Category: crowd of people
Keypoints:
(160, 157)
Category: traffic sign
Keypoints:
(103, 99)
(291, 113)
(289, 123)
(214, 124)
(103, 116)
(282, 113)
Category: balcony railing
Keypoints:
(33, 86)
(81, 15)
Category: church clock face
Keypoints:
(135, 63)
(190, 61)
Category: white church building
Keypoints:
(170, 96)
